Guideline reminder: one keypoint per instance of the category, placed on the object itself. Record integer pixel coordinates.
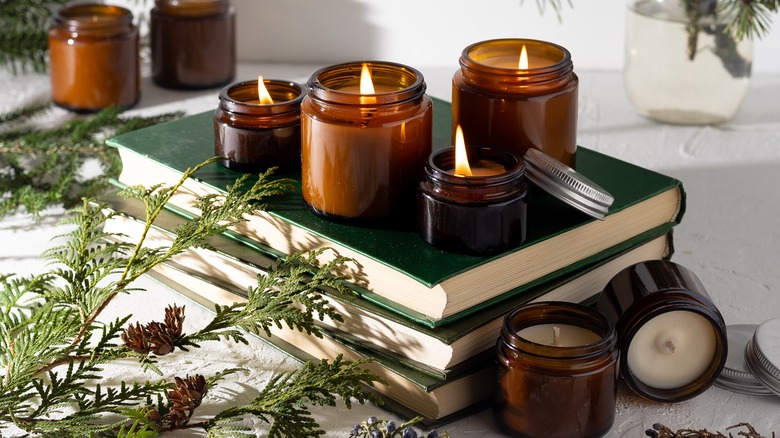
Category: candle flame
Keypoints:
(262, 92)
(462, 167)
(523, 64)
(366, 84)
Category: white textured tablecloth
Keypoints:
(730, 237)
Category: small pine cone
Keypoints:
(161, 339)
(136, 338)
(189, 392)
(187, 396)
(174, 320)
(151, 413)
(178, 417)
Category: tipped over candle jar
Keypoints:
(483, 213)
(672, 337)
(557, 372)
(193, 43)
(252, 135)
(366, 132)
(94, 63)
(517, 94)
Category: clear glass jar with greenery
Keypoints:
(689, 61)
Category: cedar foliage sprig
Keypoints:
(40, 168)
(52, 343)
(280, 403)
(24, 41)
(268, 303)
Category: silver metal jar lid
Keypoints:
(763, 354)
(736, 376)
(566, 184)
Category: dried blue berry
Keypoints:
(390, 426)
(372, 420)
(409, 433)
(433, 434)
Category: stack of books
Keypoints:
(431, 318)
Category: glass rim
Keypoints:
(469, 61)
(562, 312)
(76, 15)
(232, 104)
(324, 81)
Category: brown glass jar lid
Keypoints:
(763, 354)
(566, 184)
(736, 376)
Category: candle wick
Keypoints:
(670, 345)
(556, 336)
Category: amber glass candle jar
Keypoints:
(672, 337)
(362, 155)
(556, 385)
(94, 62)
(252, 137)
(503, 105)
(474, 214)
(193, 43)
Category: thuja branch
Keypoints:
(40, 167)
(269, 302)
(218, 213)
(319, 383)
(23, 42)
(52, 344)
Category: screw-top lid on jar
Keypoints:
(736, 376)
(567, 184)
(762, 354)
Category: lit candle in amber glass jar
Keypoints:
(472, 200)
(257, 125)
(364, 142)
(193, 43)
(94, 62)
(517, 94)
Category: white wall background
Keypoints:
(432, 33)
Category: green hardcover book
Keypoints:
(401, 271)
(232, 264)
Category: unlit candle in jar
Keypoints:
(569, 335)
(672, 350)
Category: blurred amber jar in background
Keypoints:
(502, 103)
(94, 58)
(193, 43)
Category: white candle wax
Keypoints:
(672, 349)
(569, 335)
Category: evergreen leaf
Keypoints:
(55, 349)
